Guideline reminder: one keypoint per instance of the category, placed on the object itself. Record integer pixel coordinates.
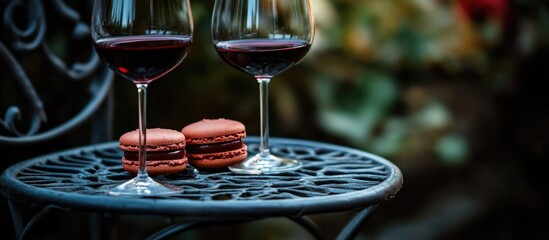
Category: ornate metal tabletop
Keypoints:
(333, 178)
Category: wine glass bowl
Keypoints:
(263, 57)
(263, 38)
(143, 59)
(142, 40)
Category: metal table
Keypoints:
(333, 179)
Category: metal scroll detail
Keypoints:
(325, 172)
(25, 27)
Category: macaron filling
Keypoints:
(156, 155)
(214, 147)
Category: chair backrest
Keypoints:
(51, 79)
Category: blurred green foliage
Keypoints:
(408, 80)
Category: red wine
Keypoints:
(263, 57)
(143, 59)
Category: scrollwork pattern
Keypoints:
(25, 25)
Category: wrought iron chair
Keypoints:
(29, 30)
(46, 43)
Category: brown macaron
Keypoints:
(165, 151)
(215, 143)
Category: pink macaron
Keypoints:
(165, 151)
(215, 143)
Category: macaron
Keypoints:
(165, 151)
(215, 143)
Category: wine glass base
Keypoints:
(269, 164)
(143, 187)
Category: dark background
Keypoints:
(452, 92)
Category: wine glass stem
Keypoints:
(264, 115)
(142, 103)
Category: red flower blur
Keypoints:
(482, 10)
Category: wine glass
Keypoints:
(263, 38)
(142, 40)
